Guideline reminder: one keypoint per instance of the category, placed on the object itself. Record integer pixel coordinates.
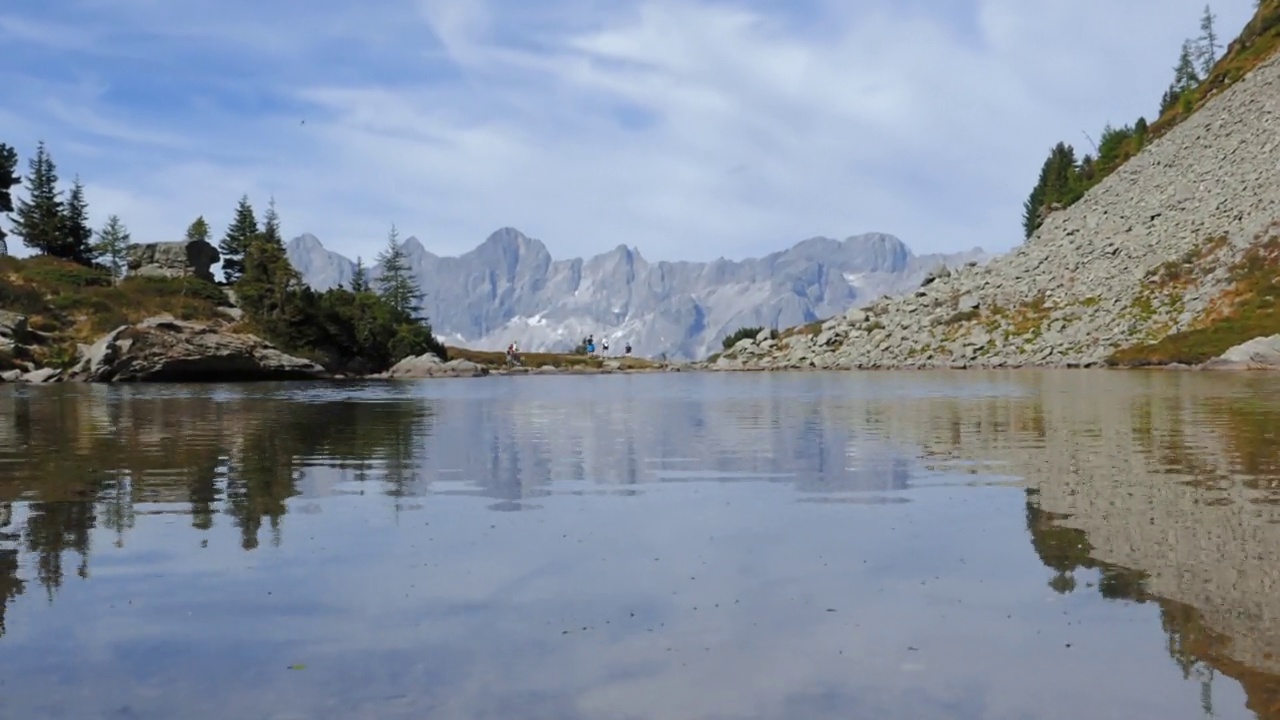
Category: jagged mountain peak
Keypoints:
(509, 287)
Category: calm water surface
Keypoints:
(951, 545)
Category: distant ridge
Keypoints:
(508, 288)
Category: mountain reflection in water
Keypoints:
(1156, 495)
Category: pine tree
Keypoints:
(359, 277)
(198, 230)
(113, 246)
(38, 218)
(235, 244)
(1208, 46)
(271, 225)
(395, 285)
(77, 235)
(267, 281)
(1185, 74)
(8, 164)
(1058, 184)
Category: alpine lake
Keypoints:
(1017, 545)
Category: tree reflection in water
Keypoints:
(91, 459)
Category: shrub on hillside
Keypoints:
(739, 335)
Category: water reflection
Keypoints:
(698, 546)
(1164, 487)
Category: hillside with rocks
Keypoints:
(1173, 258)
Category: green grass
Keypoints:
(1248, 309)
(76, 304)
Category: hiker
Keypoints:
(513, 354)
(604, 346)
(627, 349)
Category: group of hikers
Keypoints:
(588, 344)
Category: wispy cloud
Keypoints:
(688, 128)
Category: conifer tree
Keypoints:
(395, 284)
(1058, 184)
(77, 235)
(1208, 46)
(271, 225)
(113, 246)
(267, 281)
(1185, 74)
(241, 233)
(38, 219)
(198, 230)
(8, 165)
(359, 277)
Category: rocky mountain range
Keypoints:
(509, 288)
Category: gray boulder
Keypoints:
(1260, 353)
(188, 258)
(431, 366)
(163, 349)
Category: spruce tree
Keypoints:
(271, 225)
(396, 285)
(241, 233)
(1208, 46)
(359, 277)
(1185, 74)
(1058, 183)
(77, 235)
(198, 230)
(8, 164)
(38, 218)
(113, 246)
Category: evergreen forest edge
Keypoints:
(364, 328)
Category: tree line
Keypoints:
(1064, 178)
(53, 225)
(363, 328)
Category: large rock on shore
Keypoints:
(163, 349)
(188, 258)
(430, 366)
(1262, 353)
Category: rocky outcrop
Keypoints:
(431, 366)
(1143, 255)
(1258, 354)
(163, 349)
(13, 329)
(189, 258)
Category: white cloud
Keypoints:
(688, 129)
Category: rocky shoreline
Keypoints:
(767, 352)
(166, 349)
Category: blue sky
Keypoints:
(688, 128)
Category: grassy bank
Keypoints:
(66, 304)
